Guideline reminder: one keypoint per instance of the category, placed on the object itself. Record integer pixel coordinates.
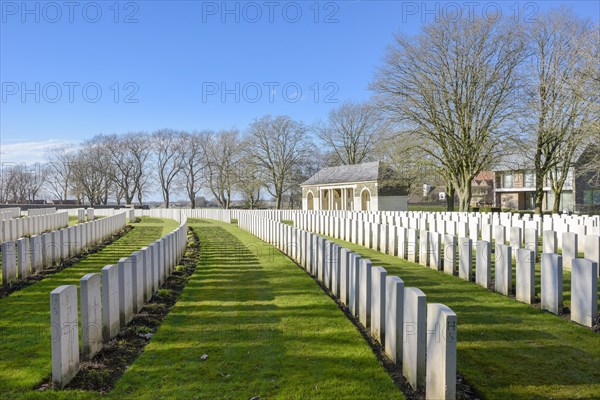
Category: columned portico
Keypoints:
(361, 187)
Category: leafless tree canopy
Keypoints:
(278, 145)
(561, 96)
(352, 132)
(454, 86)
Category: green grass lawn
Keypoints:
(507, 349)
(266, 326)
(25, 354)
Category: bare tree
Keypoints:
(221, 153)
(562, 95)
(352, 131)
(92, 171)
(192, 176)
(277, 145)
(21, 183)
(454, 87)
(130, 154)
(60, 171)
(168, 146)
(250, 179)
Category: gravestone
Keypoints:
(64, 336)
(465, 255)
(9, 264)
(378, 298)
(441, 353)
(525, 287)
(483, 267)
(450, 254)
(394, 318)
(552, 283)
(413, 349)
(23, 258)
(591, 248)
(364, 300)
(110, 302)
(570, 248)
(549, 242)
(125, 292)
(91, 315)
(503, 269)
(584, 291)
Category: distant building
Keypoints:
(482, 189)
(515, 185)
(370, 186)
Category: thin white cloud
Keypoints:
(29, 152)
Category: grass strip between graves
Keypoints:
(25, 353)
(506, 349)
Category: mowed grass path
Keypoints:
(266, 326)
(506, 349)
(25, 353)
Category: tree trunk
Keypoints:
(450, 192)
(539, 192)
(556, 204)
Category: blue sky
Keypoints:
(70, 71)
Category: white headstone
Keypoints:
(364, 300)
(570, 248)
(413, 349)
(584, 291)
(394, 318)
(91, 315)
(378, 299)
(549, 242)
(552, 283)
(441, 352)
(465, 255)
(450, 254)
(110, 302)
(9, 264)
(483, 267)
(525, 285)
(503, 270)
(64, 335)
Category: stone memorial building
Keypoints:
(371, 186)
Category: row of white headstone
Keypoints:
(377, 235)
(419, 337)
(12, 229)
(9, 213)
(30, 255)
(109, 301)
(32, 212)
(453, 255)
(208, 213)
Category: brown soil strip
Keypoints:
(102, 373)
